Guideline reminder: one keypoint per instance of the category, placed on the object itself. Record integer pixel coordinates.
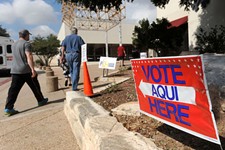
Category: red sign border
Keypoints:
(217, 141)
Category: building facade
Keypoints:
(96, 40)
(204, 18)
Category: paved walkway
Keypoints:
(43, 127)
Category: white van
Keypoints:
(5, 53)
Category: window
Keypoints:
(0, 50)
(1, 60)
(9, 50)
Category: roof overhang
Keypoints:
(178, 22)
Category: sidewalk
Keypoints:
(35, 127)
(43, 127)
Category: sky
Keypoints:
(43, 17)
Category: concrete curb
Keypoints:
(111, 81)
(95, 129)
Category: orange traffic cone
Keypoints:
(87, 82)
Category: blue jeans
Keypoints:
(74, 62)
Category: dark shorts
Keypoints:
(120, 58)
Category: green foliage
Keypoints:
(159, 35)
(96, 4)
(39, 62)
(140, 35)
(100, 4)
(112, 88)
(3, 32)
(160, 3)
(211, 41)
(46, 48)
(187, 4)
(122, 69)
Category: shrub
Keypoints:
(212, 41)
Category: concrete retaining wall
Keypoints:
(95, 129)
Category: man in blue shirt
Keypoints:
(71, 46)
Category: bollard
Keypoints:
(52, 83)
(49, 73)
(48, 68)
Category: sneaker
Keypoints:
(11, 112)
(43, 102)
(76, 89)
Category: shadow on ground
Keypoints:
(190, 140)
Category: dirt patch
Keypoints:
(164, 136)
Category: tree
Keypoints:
(211, 41)
(141, 34)
(100, 4)
(3, 32)
(188, 4)
(96, 4)
(159, 36)
(46, 48)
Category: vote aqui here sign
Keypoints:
(174, 91)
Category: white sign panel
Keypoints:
(107, 62)
(84, 53)
(143, 55)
